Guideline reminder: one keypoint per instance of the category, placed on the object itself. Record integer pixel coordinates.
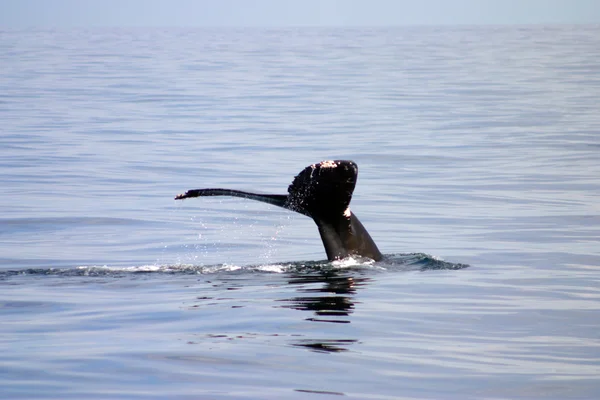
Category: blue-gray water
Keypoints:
(475, 146)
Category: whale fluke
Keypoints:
(323, 192)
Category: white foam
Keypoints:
(353, 261)
(275, 268)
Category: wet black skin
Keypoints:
(323, 192)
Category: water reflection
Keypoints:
(329, 297)
(328, 346)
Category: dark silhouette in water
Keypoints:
(323, 192)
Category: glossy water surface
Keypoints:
(478, 151)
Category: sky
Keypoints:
(281, 13)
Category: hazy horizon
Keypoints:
(309, 13)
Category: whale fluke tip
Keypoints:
(188, 194)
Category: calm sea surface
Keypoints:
(479, 158)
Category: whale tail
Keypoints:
(323, 192)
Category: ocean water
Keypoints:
(479, 157)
